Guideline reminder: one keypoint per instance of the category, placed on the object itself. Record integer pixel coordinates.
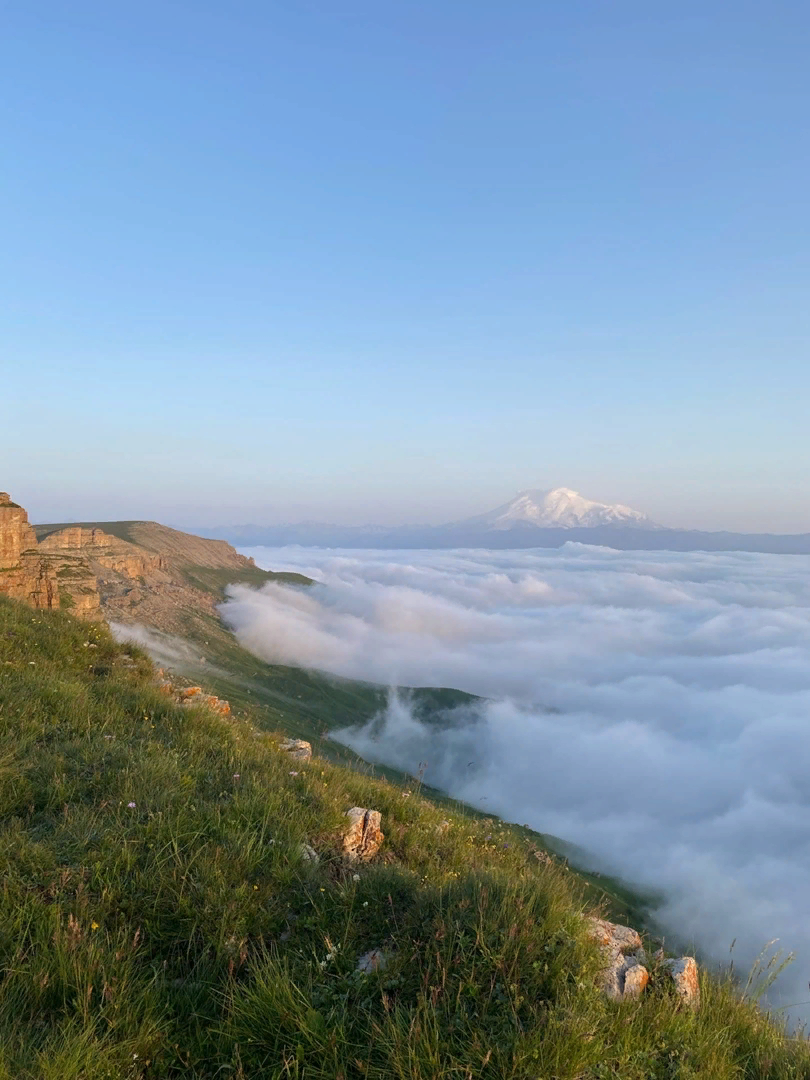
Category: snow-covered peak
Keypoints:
(562, 508)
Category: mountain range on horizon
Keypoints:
(533, 518)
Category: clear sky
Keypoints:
(352, 260)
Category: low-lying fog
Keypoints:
(653, 708)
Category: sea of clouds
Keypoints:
(653, 708)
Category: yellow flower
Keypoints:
(94, 926)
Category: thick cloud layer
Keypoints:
(653, 708)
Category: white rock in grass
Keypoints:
(363, 838)
(374, 960)
(298, 749)
(613, 936)
(308, 853)
(684, 972)
(624, 974)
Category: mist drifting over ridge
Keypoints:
(650, 707)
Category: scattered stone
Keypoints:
(309, 854)
(374, 960)
(298, 749)
(193, 695)
(684, 972)
(363, 838)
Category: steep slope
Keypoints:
(176, 903)
(148, 573)
(42, 578)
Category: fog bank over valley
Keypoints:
(652, 707)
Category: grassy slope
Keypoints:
(121, 529)
(186, 935)
(310, 704)
(214, 581)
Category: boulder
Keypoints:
(363, 838)
(624, 974)
(298, 749)
(684, 973)
(613, 935)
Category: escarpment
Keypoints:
(128, 572)
(42, 577)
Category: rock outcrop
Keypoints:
(39, 576)
(363, 838)
(193, 695)
(16, 535)
(128, 572)
(625, 974)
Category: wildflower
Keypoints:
(355, 877)
(293, 772)
(131, 805)
(94, 926)
(255, 887)
(236, 776)
(365, 903)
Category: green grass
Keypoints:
(185, 936)
(121, 529)
(215, 581)
(311, 704)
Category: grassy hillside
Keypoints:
(121, 529)
(159, 919)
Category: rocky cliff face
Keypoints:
(16, 535)
(131, 572)
(39, 577)
(108, 551)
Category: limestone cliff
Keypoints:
(125, 571)
(42, 578)
(16, 535)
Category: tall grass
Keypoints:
(159, 918)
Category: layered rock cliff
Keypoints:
(129, 572)
(41, 577)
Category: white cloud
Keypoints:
(652, 707)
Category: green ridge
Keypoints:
(187, 936)
(121, 529)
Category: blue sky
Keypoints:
(393, 262)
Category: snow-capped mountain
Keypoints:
(561, 508)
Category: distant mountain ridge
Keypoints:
(533, 518)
